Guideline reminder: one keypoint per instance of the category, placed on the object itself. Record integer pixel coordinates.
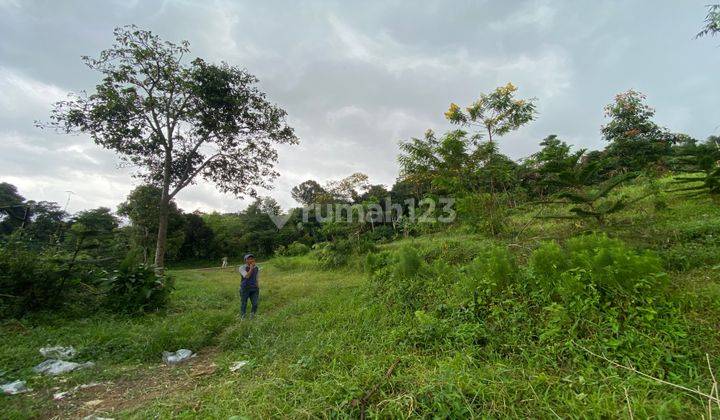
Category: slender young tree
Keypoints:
(177, 120)
(497, 112)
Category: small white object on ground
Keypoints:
(60, 395)
(58, 352)
(173, 358)
(12, 388)
(238, 365)
(94, 417)
(56, 367)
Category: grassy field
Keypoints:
(327, 343)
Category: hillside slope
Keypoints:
(420, 329)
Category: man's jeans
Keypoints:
(254, 296)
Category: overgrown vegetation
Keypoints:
(571, 282)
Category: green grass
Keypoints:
(323, 341)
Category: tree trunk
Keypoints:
(162, 237)
(163, 210)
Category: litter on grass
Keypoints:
(57, 367)
(12, 388)
(60, 395)
(238, 365)
(58, 352)
(173, 358)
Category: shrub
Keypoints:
(337, 253)
(375, 261)
(494, 268)
(134, 288)
(454, 251)
(486, 213)
(334, 254)
(408, 262)
(29, 281)
(293, 250)
(595, 263)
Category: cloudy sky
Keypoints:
(357, 77)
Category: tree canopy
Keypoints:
(176, 121)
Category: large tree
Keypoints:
(13, 210)
(308, 192)
(177, 120)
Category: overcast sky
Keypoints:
(357, 77)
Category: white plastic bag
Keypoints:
(12, 388)
(58, 352)
(238, 365)
(56, 367)
(173, 358)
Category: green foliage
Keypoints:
(552, 168)
(29, 280)
(484, 212)
(148, 91)
(497, 112)
(712, 22)
(12, 208)
(596, 265)
(135, 287)
(598, 202)
(492, 270)
(141, 207)
(409, 262)
(635, 141)
(701, 160)
(334, 254)
(293, 250)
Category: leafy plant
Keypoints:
(135, 288)
(596, 263)
(293, 250)
(29, 280)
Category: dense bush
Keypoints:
(453, 251)
(29, 281)
(292, 250)
(134, 288)
(591, 289)
(595, 264)
(485, 213)
(336, 253)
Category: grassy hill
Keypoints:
(446, 324)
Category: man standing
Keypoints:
(249, 286)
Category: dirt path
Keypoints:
(140, 387)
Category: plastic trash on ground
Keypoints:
(61, 395)
(12, 388)
(56, 367)
(58, 352)
(173, 358)
(238, 365)
(94, 417)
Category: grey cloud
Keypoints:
(356, 78)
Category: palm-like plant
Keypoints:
(595, 203)
(703, 158)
